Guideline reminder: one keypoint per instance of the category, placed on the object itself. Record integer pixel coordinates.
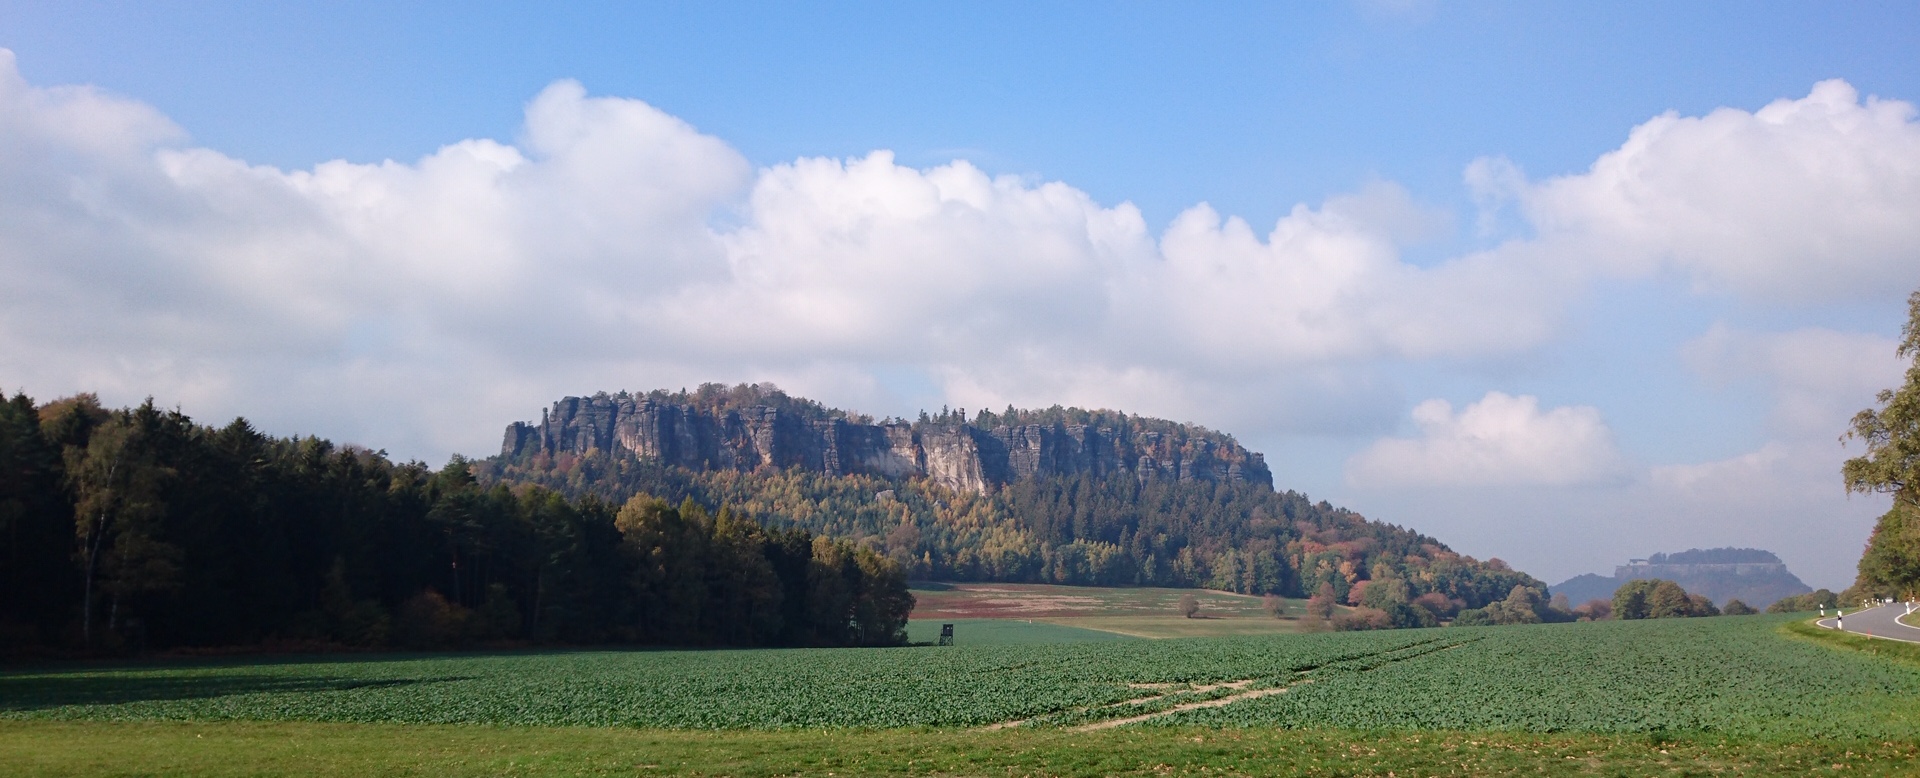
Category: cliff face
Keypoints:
(1640, 569)
(957, 455)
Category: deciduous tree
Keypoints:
(1891, 465)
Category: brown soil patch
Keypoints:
(1034, 601)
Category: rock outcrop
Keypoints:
(956, 454)
(1753, 576)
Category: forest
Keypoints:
(1114, 529)
(138, 529)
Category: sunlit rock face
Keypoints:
(958, 455)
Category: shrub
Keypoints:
(1320, 605)
(1810, 601)
(1594, 610)
(1362, 619)
(427, 620)
(1472, 617)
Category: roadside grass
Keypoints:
(1904, 652)
(232, 749)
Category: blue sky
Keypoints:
(1660, 375)
(1251, 107)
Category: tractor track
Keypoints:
(1238, 690)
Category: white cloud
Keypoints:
(1501, 440)
(1327, 285)
(416, 305)
(615, 245)
(1803, 201)
(1730, 478)
(1786, 498)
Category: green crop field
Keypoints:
(1725, 675)
(1734, 695)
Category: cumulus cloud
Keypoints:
(417, 304)
(1784, 494)
(614, 245)
(1783, 497)
(1502, 440)
(1803, 201)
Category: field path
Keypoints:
(1213, 703)
(1881, 622)
(1234, 691)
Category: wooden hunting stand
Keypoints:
(946, 635)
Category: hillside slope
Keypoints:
(1061, 495)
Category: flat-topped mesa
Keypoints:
(738, 433)
(1698, 562)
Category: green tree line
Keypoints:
(139, 529)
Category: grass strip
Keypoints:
(30, 749)
(1903, 652)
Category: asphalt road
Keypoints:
(1879, 622)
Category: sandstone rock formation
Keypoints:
(1753, 576)
(684, 431)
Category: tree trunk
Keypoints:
(86, 605)
(86, 600)
(539, 597)
(457, 599)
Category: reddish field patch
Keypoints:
(1044, 601)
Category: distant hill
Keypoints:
(1054, 495)
(1588, 586)
(1749, 575)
